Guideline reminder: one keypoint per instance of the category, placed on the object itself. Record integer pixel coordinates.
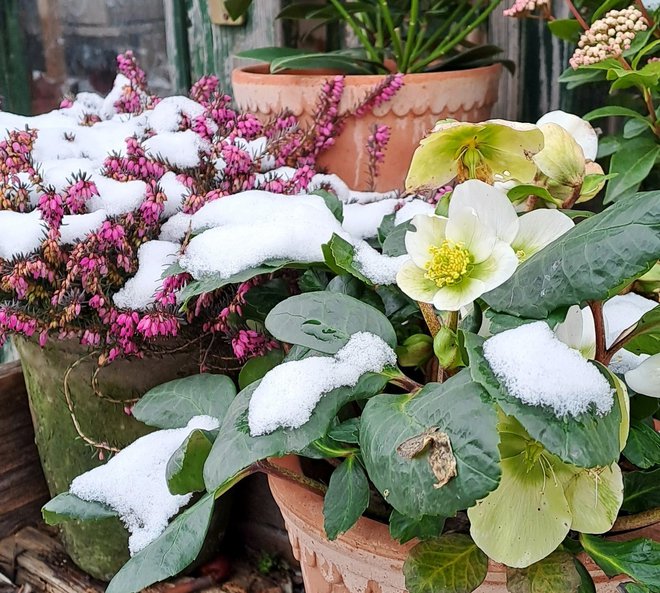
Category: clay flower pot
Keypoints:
(466, 95)
(365, 559)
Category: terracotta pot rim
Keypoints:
(258, 74)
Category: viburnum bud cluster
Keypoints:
(522, 8)
(608, 37)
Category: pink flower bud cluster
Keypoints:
(522, 8)
(376, 146)
(77, 194)
(608, 37)
(248, 343)
(204, 89)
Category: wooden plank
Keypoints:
(22, 486)
(178, 52)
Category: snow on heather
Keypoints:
(154, 257)
(117, 197)
(179, 149)
(134, 484)
(411, 209)
(175, 191)
(379, 268)
(622, 312)
(538, 369)
(288, 394)
(60, 173)
(20, 233)
(362, 221)
(76, 227)
(167, 114)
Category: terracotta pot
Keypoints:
(466, 95)
(365, 559)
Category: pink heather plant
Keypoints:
(64, 288)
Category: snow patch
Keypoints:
(77, 226)
(377, 267)
(117, 197)
(179, 149)
(20, 233)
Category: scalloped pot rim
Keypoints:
(365, 559)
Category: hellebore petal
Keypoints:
(561, 159)
(538, 229)
(492, 206)
(645, 379)
(578, 331)
(581, 130)
(465, 227)
(590, 189)
(411, 279)
(429, 230)
(452, 298)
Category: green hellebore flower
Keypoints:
(461, 151)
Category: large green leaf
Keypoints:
(235, 450)
(339, 255)
(395, 242)
(586, 441)
(645, 338)
(637, 558)
(170, 553)
(556, 573)
(345, 63)
(451, 563)
(173, 404)
(643, 446)
(260, 299)
(185, 468)
(346, 499)
(633, 164)
(324, 321)
(590, 262)
(255, 368)
(641, 491)
(68, 507)
(452, 408)
(404, 528)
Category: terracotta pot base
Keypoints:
(365, 559)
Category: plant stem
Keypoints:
(276, 471)
(599, 323)
(431, 319)
(406, 383)
(357, 29)
(410, 35)
(389, 23)
(643, 519)
(577, 15)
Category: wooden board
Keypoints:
(22, 486)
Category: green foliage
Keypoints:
(185, 468)
(255, 368)
(641, 491)
(174, 404)
(404, 528)
(451, 563)
(556, 573)
(68, 507)
(645, 337)
(346, 499)
(643, 446)
(590, 262)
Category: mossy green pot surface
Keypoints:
(99, 548)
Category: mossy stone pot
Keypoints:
(99, 548)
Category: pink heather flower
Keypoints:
(158, 324)
(204, 89)
(77, 194)
(248, 343)
(128, 66)
(237, 160)
(608, 37)
(381, 94)
(66, 102)
(302, 178)
(248, 126)
(51, 205)
(43, 338)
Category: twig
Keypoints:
(577, 15)
(276, 471)
(638, 521)
(599, 323)
(431, 319)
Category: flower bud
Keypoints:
(445, 346)
(415, 350)
(561, 160)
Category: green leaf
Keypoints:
(313, 280)
(614, 111)
(339, 255)
(324, 321)
(185, 468)
(635, 588)
(645, 338)
(451, 563)
(237, 8)
(346, 432)
(634, 127)
(387, 225)
(637, 558)
(332, 202)
(234, 449)
(395, 244)
(589, 262)
(68, 507)
(521, 192)
(586, 441)
(347, 64)
(170, 553)
(641, 491)
(500, 322)
(643, 446)
(175, 403)
(632, 165)
(268, 54)
(404, 528)
(255, 368)
(575, 78)
(566, 29)
(388, 421)
(586, 582)
(556, 573)
(346, 499)
(260, 299)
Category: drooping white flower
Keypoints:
(578, 331)
(645, 379)
(537, 229)
(581, 130)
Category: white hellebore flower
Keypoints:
(581, 130)
(578, 331)
(645, 379)
(455, 260)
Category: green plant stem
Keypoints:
(410, 35)
(577, 15)
(450, 322)
(394, 34)
(270, 469)
(369, 48)
(599, 324)
(431, 319)
(440, 31)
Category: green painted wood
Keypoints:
(14, 75)
(178, 51)
(213, 47)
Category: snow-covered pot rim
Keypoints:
(369, 548)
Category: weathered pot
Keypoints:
(466, 95)
(365, 559)
(100, 548)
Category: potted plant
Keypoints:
(484, 383)
(95, 205)
(419, 52)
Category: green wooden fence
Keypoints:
(14, 73)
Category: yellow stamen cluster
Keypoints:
(449, 263)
